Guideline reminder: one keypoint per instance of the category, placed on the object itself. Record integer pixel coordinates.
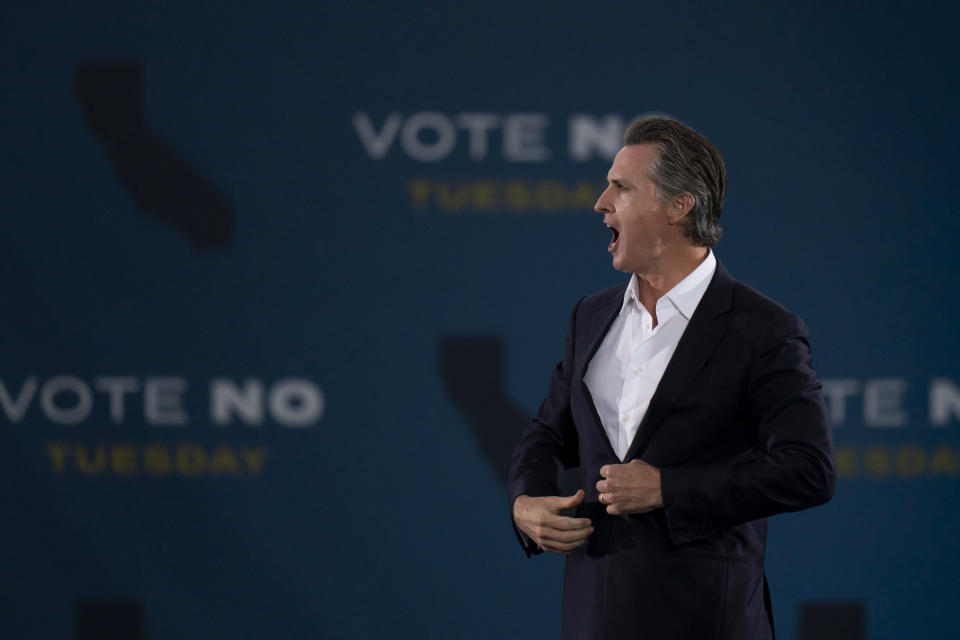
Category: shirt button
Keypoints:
(626, 417)
(636, 371)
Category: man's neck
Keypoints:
(667, 275)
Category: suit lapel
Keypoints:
(598, 326)
(696, 345)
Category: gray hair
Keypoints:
(686, 163)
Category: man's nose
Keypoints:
(602, 205)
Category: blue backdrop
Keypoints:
(282, 282)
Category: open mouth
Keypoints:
(614, 238)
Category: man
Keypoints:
(689, 404)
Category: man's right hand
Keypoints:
(540, 519)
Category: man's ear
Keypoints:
(680, 206)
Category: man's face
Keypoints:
(638, 221)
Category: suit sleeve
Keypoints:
(791, 467)
(549, 444)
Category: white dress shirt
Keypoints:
(626, 369)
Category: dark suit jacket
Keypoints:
(739, 431)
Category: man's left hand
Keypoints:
(630, 488)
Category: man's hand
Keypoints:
(630, 488)
(540, 519)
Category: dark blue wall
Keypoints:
(189, 192)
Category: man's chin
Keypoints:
(620, 265)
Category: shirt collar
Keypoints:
(685, 295)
